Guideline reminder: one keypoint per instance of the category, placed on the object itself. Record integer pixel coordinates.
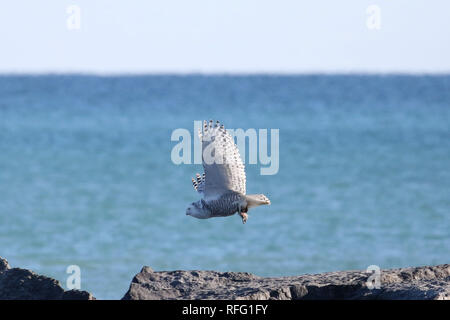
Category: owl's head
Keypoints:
(197, 210)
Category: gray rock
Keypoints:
(428, 283)
(22, 284)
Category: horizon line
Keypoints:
(224, 73)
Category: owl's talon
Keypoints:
(244, 217)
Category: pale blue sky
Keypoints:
(141, 36)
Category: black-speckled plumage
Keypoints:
(227, 205)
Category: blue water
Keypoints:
(86, 176)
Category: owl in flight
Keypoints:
(222, 185)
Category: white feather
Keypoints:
(227, 172)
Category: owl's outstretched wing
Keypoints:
(224, 169)
(199, 183)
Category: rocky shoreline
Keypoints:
(23, 284)
(418, 283)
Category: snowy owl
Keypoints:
(222, 184)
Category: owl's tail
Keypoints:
(255, 200)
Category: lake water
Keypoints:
(86, 176)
